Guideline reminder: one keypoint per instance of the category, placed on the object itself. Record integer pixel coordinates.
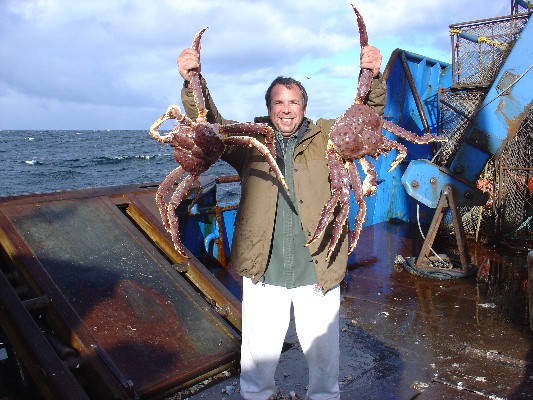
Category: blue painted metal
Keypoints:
(391, 200)
(228, 227)
(497, 119)
(425, 181)
(502, 111)
(210, 238)
(417, 182)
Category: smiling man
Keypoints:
(271, 231)
(286, 106)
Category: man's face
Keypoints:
(286, 110)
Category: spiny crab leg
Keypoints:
(198, 144)
(342, 216)
(363, 36)
(176, 198)
(365, 78)
(195, 81)
(335, 171)
(410, 136)
(172, 112)
(242, 127)
(249, 141)
(369, 184)
(407, 135)
(161, 192)
(358, 193)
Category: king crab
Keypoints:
(356, 134)
(198, 145)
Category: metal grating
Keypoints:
(520, 6)
(508, 178)
(479, 48)
(514, 185)
(456, 108)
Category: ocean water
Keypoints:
(50, 161)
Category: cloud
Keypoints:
(111, 64)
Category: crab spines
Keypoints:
(173, 111)
(363, 37)
(365, 77)
(196, 41)
(195, 80)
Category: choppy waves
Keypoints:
(124, 158)
(47, 161)
(33, 162)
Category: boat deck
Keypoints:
(405, 336)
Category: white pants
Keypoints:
(265, 320)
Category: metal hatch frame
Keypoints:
(90, 363)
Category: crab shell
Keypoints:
(197, 147)
(354, 134)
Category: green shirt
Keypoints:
(290, 263)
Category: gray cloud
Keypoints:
(111, 64)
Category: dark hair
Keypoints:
(287, 82)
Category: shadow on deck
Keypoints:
(409, 337)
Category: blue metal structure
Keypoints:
(99, 304)
(498, 66)
(498, 118)
(414, 84)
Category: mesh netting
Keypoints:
(508, 175)
(514, 185)
(521, 6)
(455, 111)
(508, 178)
(480, 48)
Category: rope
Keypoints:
(501, 46)
(478, 39)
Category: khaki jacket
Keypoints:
(259, 190)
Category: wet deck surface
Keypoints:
(405, 336)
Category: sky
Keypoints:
(111, 64)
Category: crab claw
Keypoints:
(363, 37)
(365, 77)
(195, 79)
(196, 41)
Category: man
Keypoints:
(272, 227)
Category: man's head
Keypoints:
(286, 101)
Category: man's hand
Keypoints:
(188, 60)
(371, 59)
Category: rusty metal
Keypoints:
(50, 374)
(219, 242)
(435, 265)
(114, 301)
(142, 210)
(479, 48)
(228, 179)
